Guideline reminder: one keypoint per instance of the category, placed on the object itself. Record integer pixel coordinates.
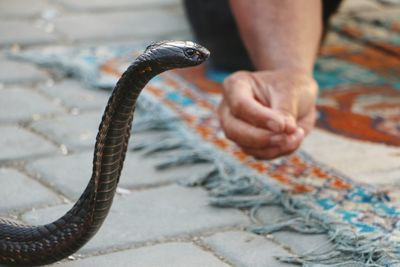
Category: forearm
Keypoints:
(280, 34)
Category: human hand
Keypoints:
(268, 113)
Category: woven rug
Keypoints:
(358, 73)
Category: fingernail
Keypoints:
(274, 126)
(290, 125)
(300, 132)
(294, 139)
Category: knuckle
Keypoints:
(234, 78)
(238, 75)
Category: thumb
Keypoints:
(243, 104)
(286, 107)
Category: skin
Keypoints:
(268, 112)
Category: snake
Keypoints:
(26, 245)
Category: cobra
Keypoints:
(24, 245)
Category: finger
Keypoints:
(290, 124)
(308, 122)
(270, 153)
(286, 107)
(244, 105)
(244, 134)
(293, 141)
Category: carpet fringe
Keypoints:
(233, 187)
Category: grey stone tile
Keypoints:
(24, 104)
(304, 243)
(71, 173)
(75, 131)
(163, 255)
(21, 192)
(12, 72)
(152, 215)
(23, 8)
(244, 249)
(17, 143)
(23, 33)
(150, 24)
(297, 242)
(73, 94)
(116, 4)
(79, 131)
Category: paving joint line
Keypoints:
(61, 147)
(185, 237)
(36, 177)
(202, 245)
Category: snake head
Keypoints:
(176, 54)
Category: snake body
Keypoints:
(23, 245)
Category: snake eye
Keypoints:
(190, 52)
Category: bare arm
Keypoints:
(280, 33)
(269, 111)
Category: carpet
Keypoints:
(358, 74)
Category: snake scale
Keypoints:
(23, 245)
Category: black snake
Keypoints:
(23, 245)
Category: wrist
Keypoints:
(306, 69)
(301, 78)
(290, 72)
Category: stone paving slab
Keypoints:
(70, 174)
(163, 212)
(244, 249)
(354, 158)
(12, 72)
(296, 242)
(152, 215)
(165, 255)
(20, 8)
(304, 243)
(18, 104)
(113, 25)
(78, 5)
(18, 143)
(74, 131)
(79, 132)
(23, 192)
(74, 95)
(23, 33)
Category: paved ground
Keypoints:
(47, 129)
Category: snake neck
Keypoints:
(112, 141)
(29, 246)
(110, 148)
